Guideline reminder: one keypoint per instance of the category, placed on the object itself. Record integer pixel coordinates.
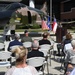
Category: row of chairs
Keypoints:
(39, 60)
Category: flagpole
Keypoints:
(51, 12)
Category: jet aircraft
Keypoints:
(6, 12)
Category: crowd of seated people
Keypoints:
(36, 53)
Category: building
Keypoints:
(68, 10)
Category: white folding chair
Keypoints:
(48, 48)
(27, 44)
(72, 58)
(2, 46)
(45, 51)
(36, 62)
(14, 47)
(45, 46)
(4, 56)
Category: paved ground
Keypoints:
(55, 68)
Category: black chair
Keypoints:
(60, 54)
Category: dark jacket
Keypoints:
(35, 53)
(41, 42)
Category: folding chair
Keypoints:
(4, 56)
(48, 48)
(14, 47)
(36, 62)
(45, 51)
(45, 46)
(2, 46)
(27, 44)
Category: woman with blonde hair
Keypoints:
(21, 68)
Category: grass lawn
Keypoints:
(33, 30)
(30, 30)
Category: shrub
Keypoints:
(35, 26)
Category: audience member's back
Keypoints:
(44, 40)
(15, 41)
(35, 51)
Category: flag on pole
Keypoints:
(48, 23)
(54, 26)
(44, 25)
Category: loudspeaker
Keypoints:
(29, 17)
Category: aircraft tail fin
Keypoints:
(44, 8)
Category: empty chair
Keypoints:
(4, 56)
(27, 44)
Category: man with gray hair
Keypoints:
(35, 51)
(15, 42)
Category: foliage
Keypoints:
(35, 26)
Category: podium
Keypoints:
(60, 32)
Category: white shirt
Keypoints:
(29, 70)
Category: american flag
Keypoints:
(54, 26)
(44, 25)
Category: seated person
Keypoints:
(73, 72)
(15, 42)
(35, 51)
(44, 40)
(70, 52)
(65, 41)
(21, 68)
(69, 69)
(26, 37)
